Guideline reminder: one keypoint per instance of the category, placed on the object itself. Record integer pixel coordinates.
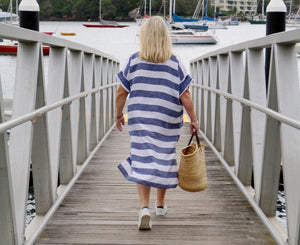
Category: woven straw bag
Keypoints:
(192, 170)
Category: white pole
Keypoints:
(150, 8)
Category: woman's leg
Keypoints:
(144, 194)
(160, 197)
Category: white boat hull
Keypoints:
(177, 39)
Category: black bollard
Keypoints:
(29, 13)
(276, 12)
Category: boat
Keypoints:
(10, 17)
(191, 37)
(193, 26)
(294, 19)
(68, 33)
(197, 27)
(232, 21)
(257, 22)
(138, 16)
(6, 16)
(197, 24)
(48, 32)
(177, 18)
(105, 23)
(10, 47)
(259, 19)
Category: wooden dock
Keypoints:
(102, 207)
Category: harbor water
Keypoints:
(120, 43)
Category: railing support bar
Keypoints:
(280, 240)
(34, 236)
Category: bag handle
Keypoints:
(192, 136)
(197, 138)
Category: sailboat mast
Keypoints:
(10, 6)
(174, 7)
(100, 10)
(164, 9)
(17, 7)
(149, 7)
(170, 18)
(145, 8)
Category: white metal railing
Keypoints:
(56, 127)
(255, 133)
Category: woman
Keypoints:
(157, 84)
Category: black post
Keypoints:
(276, 11)
(29, 12)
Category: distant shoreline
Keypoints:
(120, 19)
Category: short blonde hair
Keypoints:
(155, 41)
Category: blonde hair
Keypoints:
(155, 41)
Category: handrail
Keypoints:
(274, 114)
(255, 133)
(54, 130)
(24, 35)
(37, 113)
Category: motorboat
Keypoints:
(187, 36)
(105, 25)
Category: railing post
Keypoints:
(29, 14)
(7, 212)
(82, 134)
(276, 10)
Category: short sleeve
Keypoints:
(123, 76)
(185, 78)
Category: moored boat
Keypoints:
(257, 22)
(192, 37)
(105, 25)
(11, 48)
(68, 33)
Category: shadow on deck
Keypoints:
(102, 207)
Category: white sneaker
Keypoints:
(161, 211)
(145, 219)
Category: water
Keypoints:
(120, 43)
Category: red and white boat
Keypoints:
(9, 47)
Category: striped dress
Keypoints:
(154, 119)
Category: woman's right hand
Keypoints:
(194, 127)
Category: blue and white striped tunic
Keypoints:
(154, 119)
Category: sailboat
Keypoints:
(10, 17)
(141, 19)
(195, 23)
(260, 19)
(105, 23)
(188, 36)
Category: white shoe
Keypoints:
(145, 219)
(161, 211)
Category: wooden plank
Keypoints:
(102, 207)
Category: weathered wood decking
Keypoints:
(102, 208)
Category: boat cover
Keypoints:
(177, 18)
